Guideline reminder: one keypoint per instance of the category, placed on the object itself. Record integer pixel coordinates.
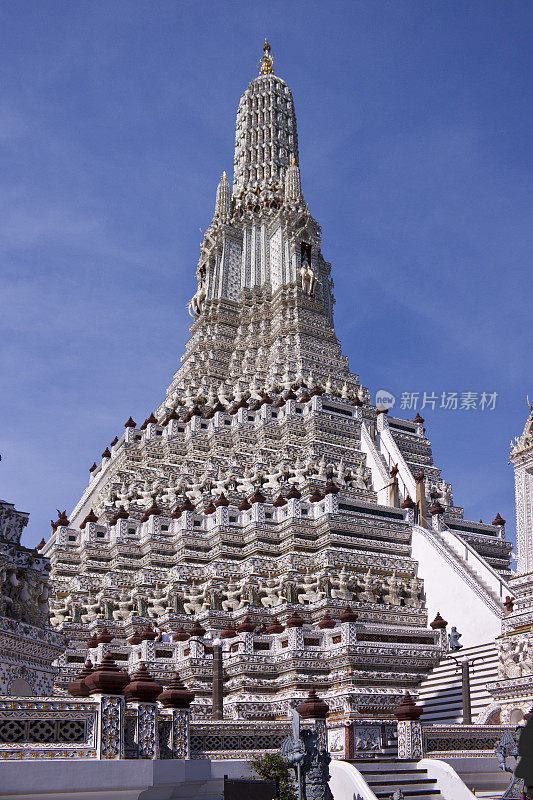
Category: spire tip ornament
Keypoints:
(266, 62)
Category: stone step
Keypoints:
(427, 784)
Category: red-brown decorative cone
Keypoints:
(438, 623)
(407, 503)
(275, 626)
(142, 687)
(316, 497)
(148, 634)
(137, 637)
(41, 544)
(181, 635)
(348, 615)
(107, 678)
(279, 502)
(294, 621)
(313, 707)
(229, 631)
(222, 501)
(176, 695)
(331, 488)
(418, 419)
(436, 509)
(78, 687)
(326, 621)
(197, 629)
(247, 625)
(293, 493)
(209, 509)
(408, 709)
(244, 505)
(91, 517)
(104, 637)
(92, 642)
(130, 423)
(257, 497)
(153, 511)
(498, 521)
(187, 505)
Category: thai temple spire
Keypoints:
(263, 240)
(293, 188)
(267, 483)
(265, 134)
(223, 199)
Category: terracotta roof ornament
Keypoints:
(229, 631)
(142, 687)
(316, 497)
(153, 511)
(498, 520)
(348, 615)
(197, 629)
(78, 687)
(408, 710)
(148, 634)
(326, 622)
(294, 621)
(176, 695)
(438, 623)
(136, 638)
(181, 635)
(313, 707)
(104, 637)
(275, 626)
(130, 423)
(91, 517)
(246, 626)
(107, 678)
(407, 503)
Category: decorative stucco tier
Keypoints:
(267, 493)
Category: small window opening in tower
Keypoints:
(306, 253)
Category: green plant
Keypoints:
(272, 766)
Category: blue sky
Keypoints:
(116, 120)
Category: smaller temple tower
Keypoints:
(513, 691)
(28, 646)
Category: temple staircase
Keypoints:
(440, 691)
(384, 776)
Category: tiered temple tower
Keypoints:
(267, 498)
(513, 691)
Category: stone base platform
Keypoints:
(200, 779)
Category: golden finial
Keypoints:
(293, 161)
(224, 175)
(266, 62)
